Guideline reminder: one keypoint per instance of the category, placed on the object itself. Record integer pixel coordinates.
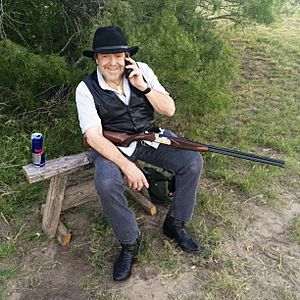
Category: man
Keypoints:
(112, 99)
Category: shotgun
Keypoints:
(124, 140)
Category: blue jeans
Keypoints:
(110, 185)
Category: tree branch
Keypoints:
(222, 17)
(2, 32)
(68, 42)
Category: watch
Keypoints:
(146, 91)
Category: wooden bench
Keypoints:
(71, 184)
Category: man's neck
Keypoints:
(117, 85)
(116, 82)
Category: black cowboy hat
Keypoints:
(109, 39)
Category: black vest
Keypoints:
(136, 117)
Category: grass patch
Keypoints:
(9, 273)
(6, 274)
(160, 253)
(223, 285)
(7, 250)
(285, 292)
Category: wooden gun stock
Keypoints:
(122, 138)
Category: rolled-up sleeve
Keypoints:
(151, 78)
(87, 113)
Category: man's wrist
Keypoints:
(146, 90)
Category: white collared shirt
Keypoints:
(87, 113)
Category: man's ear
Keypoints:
(96, 58)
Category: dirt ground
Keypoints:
(51, 271)
(269, 263)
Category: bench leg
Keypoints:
(142, 198)
(53, 204)
(62, 233)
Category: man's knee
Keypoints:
(195, 163)
(106, 185)
(108, 180)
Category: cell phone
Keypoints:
(127, 71)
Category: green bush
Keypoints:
(49, 26)
(25, 75)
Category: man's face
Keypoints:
(111, 66)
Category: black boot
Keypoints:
(174, 229)
(122, 267)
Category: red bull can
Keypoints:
(38, 152)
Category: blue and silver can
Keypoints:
(38, 153)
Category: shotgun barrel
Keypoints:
(189, 145)
(247, 156)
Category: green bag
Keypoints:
(161, 184)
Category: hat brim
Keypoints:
(91, 53)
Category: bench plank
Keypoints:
(56, 166)
(79, 194)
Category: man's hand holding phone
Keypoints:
(134, 74)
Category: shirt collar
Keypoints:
(102, 82)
